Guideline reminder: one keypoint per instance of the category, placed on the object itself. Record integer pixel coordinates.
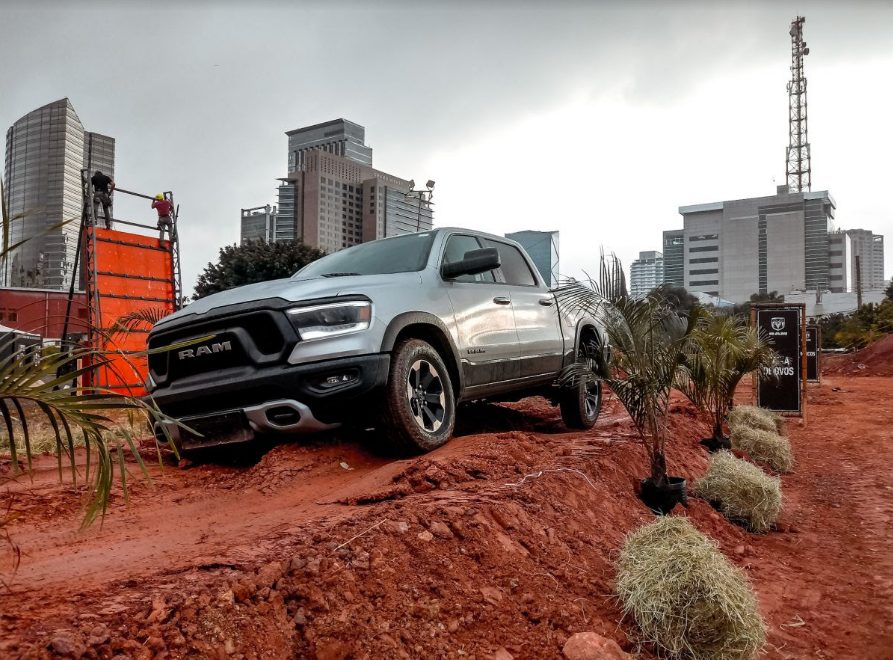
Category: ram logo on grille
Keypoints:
(198, 351)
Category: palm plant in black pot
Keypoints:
(648, 339)
(722, 350)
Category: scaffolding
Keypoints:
(104, 267)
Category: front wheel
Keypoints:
(421, 407)
(581, 403)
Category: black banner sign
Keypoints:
(779, 387)
(812, 354)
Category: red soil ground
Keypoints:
(876, 359)
(500, 544)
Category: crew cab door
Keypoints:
(488, 341)
(540, 341)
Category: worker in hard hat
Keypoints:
(102, 194)
(164, 208)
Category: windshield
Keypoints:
(401, 254)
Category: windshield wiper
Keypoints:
(338, 274)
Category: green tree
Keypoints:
(889, 291)
(676, 297)
(771, 297)
(743, 309)
(254, 261)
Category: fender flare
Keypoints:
(403, 321)
(586, 323)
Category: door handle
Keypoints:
(502, 300)
(547, 302)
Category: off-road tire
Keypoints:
(581, 403)
(420, 407)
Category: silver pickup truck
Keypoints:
(391, 334)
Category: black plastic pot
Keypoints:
(717, 444)
(662, 497)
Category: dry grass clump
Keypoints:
(765, 446)
(686, 598)
(754, 417)
(742, 491)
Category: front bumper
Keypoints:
(280, 398)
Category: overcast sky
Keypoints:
(598, 119)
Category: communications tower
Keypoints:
(799, 167)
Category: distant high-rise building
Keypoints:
(736, 248)
(333, 198)
(339, 136)
(99, 153)
(258, 223)
(646, 273)
(45, 152)
(674, 257)
(840, 262)
(869, 247)
(542, 246)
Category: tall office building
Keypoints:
(333, 198)
(646, 273)
(45, 152)
(542, 246)
(339, 136)
(736, 248)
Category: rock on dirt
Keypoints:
(440, 530)
(592, 646)
(67, 644)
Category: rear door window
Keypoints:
(514, 267)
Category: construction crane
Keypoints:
(799, 166)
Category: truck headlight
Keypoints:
(332, 319)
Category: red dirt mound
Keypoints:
(874, 360)
(499, 545)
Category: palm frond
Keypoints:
(648, 339)
(137, 320)
(722, 351)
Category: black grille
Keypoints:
(250, 338)
(222, 352)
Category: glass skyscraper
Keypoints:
(45, 152)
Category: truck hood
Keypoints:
(297, 290)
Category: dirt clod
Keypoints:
(592, 646)
(67, 643)
(440, 530)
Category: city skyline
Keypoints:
(607, 102)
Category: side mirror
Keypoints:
(474, 262)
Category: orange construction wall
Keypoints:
(133, 272)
